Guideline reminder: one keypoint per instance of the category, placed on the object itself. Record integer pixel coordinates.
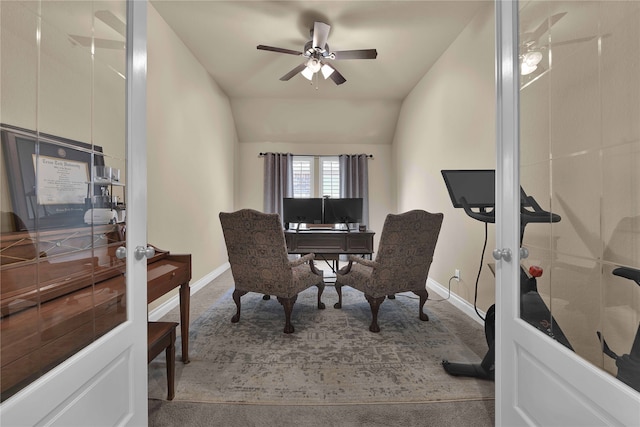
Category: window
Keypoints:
(329, 177)
(316, 176)
(303, 176)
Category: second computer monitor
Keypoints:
(342, 211)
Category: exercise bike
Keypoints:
(628, 364)
(475, 189)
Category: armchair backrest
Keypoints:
(257, 250)
(405, 250)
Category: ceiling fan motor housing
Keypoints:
(310, 51)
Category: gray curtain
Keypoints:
(278, 180)
(354, 180)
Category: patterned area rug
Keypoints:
(331, 358)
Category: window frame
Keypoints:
(317, 175)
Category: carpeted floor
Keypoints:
(331, 371)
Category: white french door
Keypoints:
(105, 383)
(538, 380)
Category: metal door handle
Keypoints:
(142, 252)
(524, 253)
(504, 254)
(121, 252)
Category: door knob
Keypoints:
(504, 254)
(121, 252)
(524, 253)
(142, 252)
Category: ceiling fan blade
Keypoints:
(293, 72)
(337, 78)
(356, 54)
(99, 43)
(580, 40)
(575, 41)
(545, 25)
(320, 35)
(113, 21)
(279, 50)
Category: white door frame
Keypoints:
(538, 380)
(106, 382)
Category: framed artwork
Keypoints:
(48, 177)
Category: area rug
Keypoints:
(331, 358)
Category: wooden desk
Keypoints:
(329, 242)
(166, 272)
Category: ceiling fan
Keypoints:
(112, 21)
(317, 53)
(530, 53)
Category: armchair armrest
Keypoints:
(362, 261)
(305, 258)
(302, 260)
(357, 260)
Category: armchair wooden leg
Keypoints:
(236, 298)
(320, 286)
(423, 294)
(287, 303)
(339, 291)
(375, 306)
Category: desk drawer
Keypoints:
(359, 243)
(163, 276)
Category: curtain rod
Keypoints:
(369, 156)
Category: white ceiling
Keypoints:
(409, 36)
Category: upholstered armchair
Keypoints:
(405, 252)
(259, 262)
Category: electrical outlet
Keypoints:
(456, 274)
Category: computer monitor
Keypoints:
(342, 211)
(477, 187)
(302, 210)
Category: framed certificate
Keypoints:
(48, 177)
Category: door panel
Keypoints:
(76, 331)
(555, 117)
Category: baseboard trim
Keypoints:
(174, 301)
(459, 303)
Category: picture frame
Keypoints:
(54, 198)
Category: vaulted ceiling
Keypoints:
(409, 37)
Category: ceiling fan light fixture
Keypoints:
(527, 69)
(314, 65)
(327, 70)
(532, 58)
(307, 73)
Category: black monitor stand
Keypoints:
(475, 189)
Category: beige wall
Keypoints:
(191, 142)
(448, 122)
(250, 166)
